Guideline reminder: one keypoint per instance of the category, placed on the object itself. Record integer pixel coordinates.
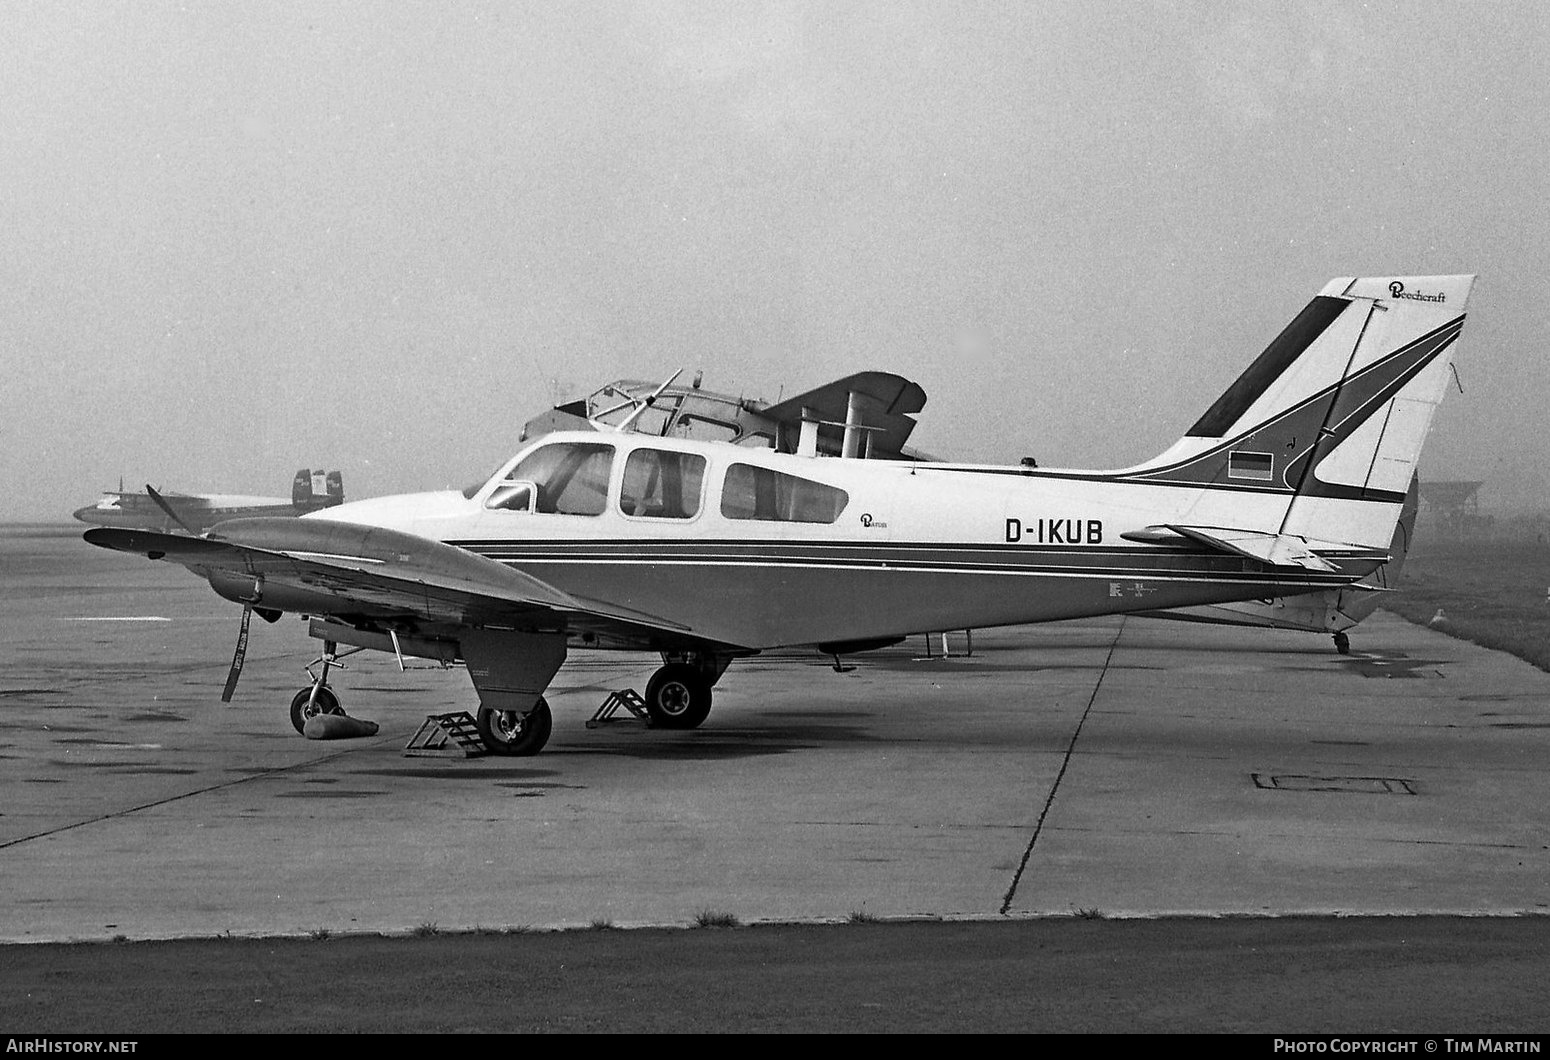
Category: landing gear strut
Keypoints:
(1342, 644)
(317, 698)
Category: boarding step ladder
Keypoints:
(947, 651)
(627, 698)
(451, 735)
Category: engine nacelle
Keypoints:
(251, 590)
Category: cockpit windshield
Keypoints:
(478, 484)
(570, 478)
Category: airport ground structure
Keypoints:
(1112, 766)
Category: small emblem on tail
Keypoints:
(1397, 290)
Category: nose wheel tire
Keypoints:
(677, 697)
(325, 703)
(511, 732)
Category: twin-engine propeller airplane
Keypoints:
(196, 512)
(1292, 482)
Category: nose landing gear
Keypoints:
(312, 701)
(317, 698)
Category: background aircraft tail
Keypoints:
(313, 489)
(1320, 438)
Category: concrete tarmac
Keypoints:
(1116, 767)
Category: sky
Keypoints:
(241, 238)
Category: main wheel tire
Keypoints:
(1342, 644)
(677, 697)
(326, 703)
(510, 732)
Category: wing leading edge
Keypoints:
(351, 572)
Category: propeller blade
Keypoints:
(164, 506)
(238, 658)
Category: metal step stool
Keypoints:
(451, 735)
(627, 698)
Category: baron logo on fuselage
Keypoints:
(1397, 290)
(1055, 531)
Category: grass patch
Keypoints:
(1492, 593)
(425, 930)
(709, 918)
(319, 934)
(601, 923)
(861, 916)
(1087, 913)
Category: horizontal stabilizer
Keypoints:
(1278, 550)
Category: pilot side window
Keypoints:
(662, 485)
(571, 477)
(759, 493)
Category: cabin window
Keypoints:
(659, 484)
(759, 493)
(571, 477)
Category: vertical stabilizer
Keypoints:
(1323, 432)
(1369, 448)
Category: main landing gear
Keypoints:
(678, 696)
(1342, 644)
(515, 732)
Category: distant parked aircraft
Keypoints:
(878, 408)
(197, 512)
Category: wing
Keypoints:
(356, 574)
(891, 400)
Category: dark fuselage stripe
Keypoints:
(1095, 564)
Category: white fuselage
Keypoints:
(910, 548)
